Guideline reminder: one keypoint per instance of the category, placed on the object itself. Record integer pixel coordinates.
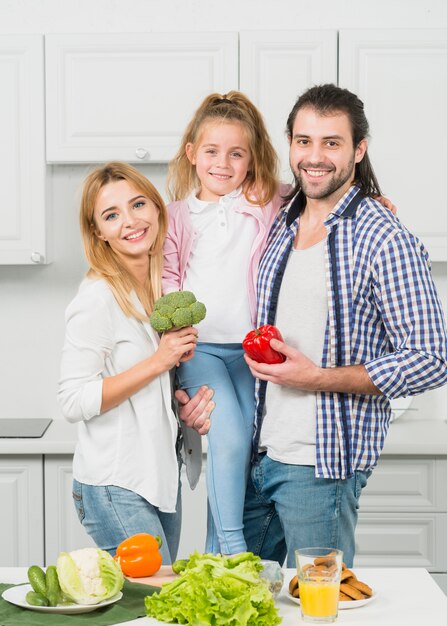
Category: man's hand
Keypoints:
(196, 411)
(297, 370)
(300, 372)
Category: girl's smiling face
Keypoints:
(126, 219)
(222, 158)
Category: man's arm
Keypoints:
(195, 412)
(301, 373)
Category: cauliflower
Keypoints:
(176, 310)
(89, 575)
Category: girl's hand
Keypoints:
(386, 202)
(176, 346)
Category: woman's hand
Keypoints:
(195, 412)
(176, 346)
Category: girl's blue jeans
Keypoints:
(222, 367)
(110, 514)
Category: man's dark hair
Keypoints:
(327, 100)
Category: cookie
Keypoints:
(351, 591)
(326, 560)
(347, 573)
(344, 598)
(362, 587)
(293, 584)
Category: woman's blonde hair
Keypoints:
(261, 182)
(103, 261)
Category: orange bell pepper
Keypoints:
(139, 555)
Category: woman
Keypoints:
(115, 369)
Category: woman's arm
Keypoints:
(83, 392)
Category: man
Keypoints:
(351, 291)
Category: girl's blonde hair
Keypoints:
(261, 182)
(103, 261)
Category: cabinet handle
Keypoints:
(36, 257)
(142, 153)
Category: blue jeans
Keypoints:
(111, 514)
(223, 368)
(286, 508)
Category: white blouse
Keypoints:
(132, 445)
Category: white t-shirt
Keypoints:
(288, 429)
(217, 269)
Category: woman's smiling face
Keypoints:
(126, 219)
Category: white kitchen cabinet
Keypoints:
(21, 520)
(63, 530)
(403, 515)
(23, 208)
(277, 66)
(401, 77)
(130, 96)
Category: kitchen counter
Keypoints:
(404, 597)
(59, 438)
(406, 436)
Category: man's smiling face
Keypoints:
(322, 154)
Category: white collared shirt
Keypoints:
(218, 267)
(132, 445)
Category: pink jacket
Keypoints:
(181, 238)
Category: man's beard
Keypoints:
(331, 186)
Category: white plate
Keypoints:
(16, 595)
(343, 604)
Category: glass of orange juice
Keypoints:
(319, 571)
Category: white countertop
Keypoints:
(416, 436)
(406, 436)
(404, 597)
(59, 438)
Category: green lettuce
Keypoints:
(89, 575)
(216, 590)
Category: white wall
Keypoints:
(33, 299)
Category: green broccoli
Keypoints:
(176, 310)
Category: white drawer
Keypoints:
(407, 484)
(413, 539)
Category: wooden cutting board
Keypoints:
(164, 575)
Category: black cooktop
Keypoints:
(23, 427)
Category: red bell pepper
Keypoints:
(257, 345)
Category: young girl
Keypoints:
(224, 183)
(115, 369)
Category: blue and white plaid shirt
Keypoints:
(383, 312)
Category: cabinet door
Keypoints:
(21, 520)
(130, 96)
(277, 66)
(401, 77)
(406, 484)
(410, 540)
(63, 530)
(22, 151)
